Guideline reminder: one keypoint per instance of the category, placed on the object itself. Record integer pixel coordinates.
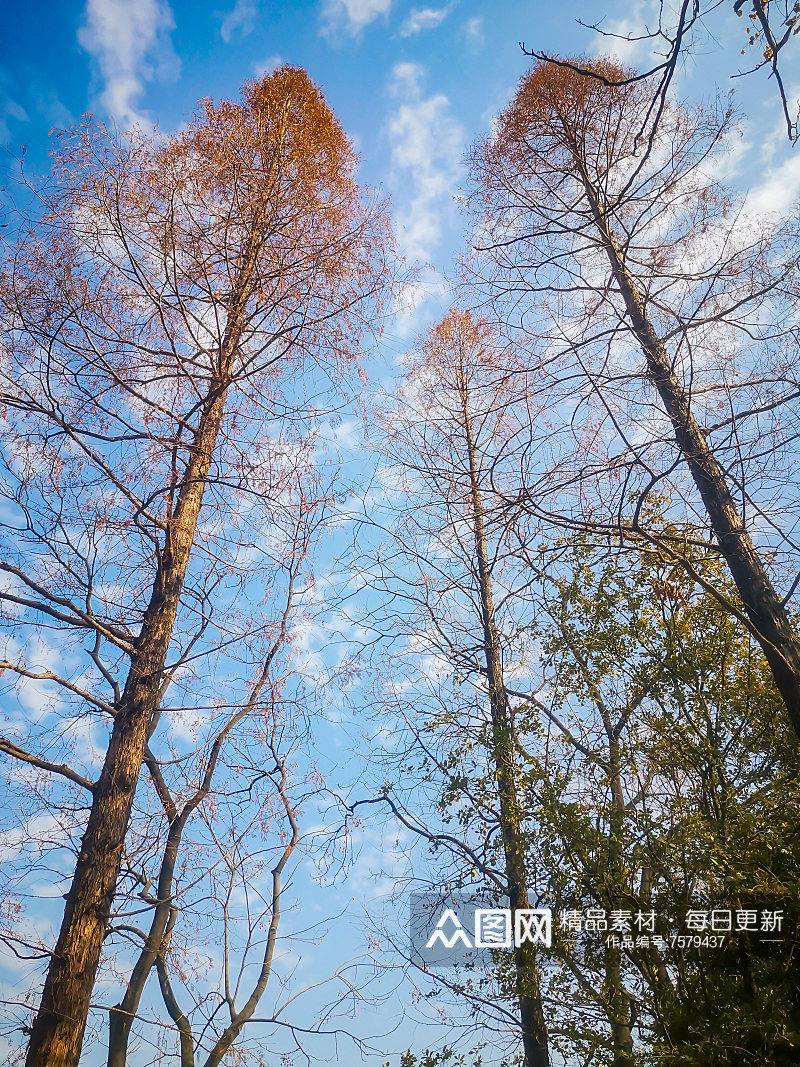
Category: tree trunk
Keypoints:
(122, 1015)
(177, 1016)
(57, 1031)
(534, 1029)
(618, 1000)
(780, 644)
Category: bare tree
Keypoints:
(228, 968)
(237, 870)
(769, 28)
(305, 513)
(444, 566)
(595, 249)
(157, 311)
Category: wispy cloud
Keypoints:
(239, 21)
(53, 110)
(427, 144)
(779, 191)
(624, 38)
(266, 66)
(424, 18)
(351, 16)
(130, 42)
(9, 109)
(426, 148)
(473, 31)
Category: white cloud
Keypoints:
(239, 20)
(412, 303)
(351, 15)
(129, 40)
(46, 827)
(778, 192)
(424, 18)
(38, 696)
(9, 108)
(266, 66)
(406, 79)
(54, 111)
(426, 148)
(308, 639)
(473, 30)
(769, 130)
(15, 110)
(618, 35)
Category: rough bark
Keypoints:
(165, 913)
(58, 1029)
(532, 1020)
(780, 644)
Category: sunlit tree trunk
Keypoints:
(57, 1031)
(534, 1029)
(150, 302)
(776, 636)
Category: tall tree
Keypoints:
(157, 310)
(601, 247)
(453, 431)
(185, 790)
(769, 29)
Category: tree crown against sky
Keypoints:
(116, 308)
(159, 310)
(449, 619)
(646, 725)
(411, 108)
(674, 33)
(117, 303)
(662, 329)
(667, 786)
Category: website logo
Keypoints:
(449, 931)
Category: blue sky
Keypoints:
(413, 85)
